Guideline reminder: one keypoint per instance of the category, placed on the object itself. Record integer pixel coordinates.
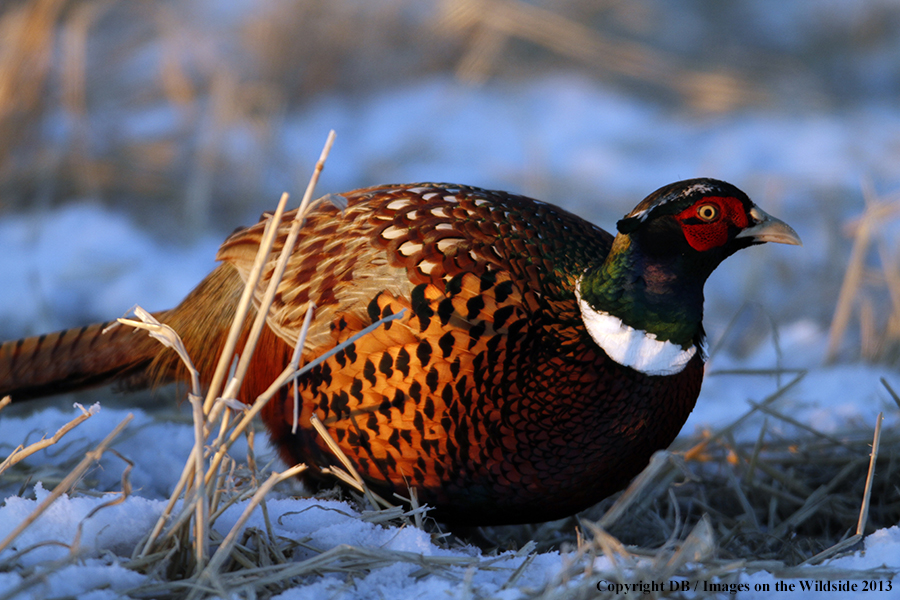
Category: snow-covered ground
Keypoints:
(81, 263)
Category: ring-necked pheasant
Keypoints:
(539, 364)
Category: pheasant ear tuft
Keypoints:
(628, 224)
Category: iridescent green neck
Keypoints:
(659, 295)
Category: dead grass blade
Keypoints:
(210, 570)
(637, 490)
(166, 336)
(695, 451)
(494, 22)
(870, 475)
(21, 453)
(91, 457)
(891, 391)
(350, 476)
(875, 338)
(243, 307)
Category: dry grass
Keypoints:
(22, 452)
(713, 510)
(490, 25)
(76, 77)
(871, 286)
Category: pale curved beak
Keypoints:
(767, 228)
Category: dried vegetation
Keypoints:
(714, 507)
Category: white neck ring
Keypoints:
(639, 350)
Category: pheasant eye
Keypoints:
(708, 212)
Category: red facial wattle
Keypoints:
(706, 222)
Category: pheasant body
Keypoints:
(537, 366)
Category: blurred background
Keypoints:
(135, 135)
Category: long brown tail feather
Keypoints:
(70, 360)
(84, 357)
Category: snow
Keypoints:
(82, 262)
(59, 259)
